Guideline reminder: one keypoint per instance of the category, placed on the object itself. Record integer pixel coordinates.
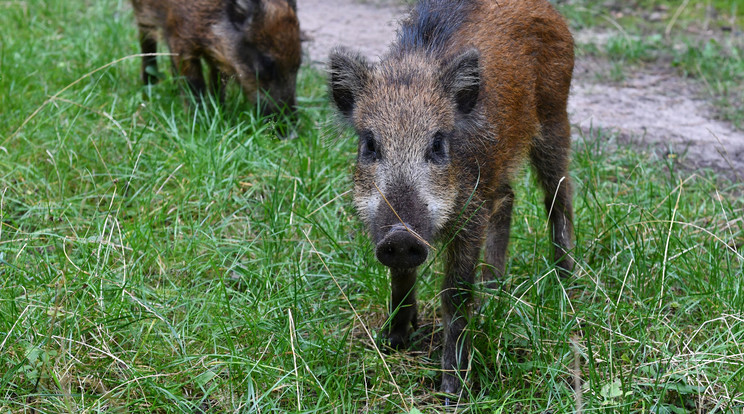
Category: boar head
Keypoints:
(261, 39)
(414, 116)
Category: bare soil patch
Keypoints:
(368, 27)
(652, 106)
(657, 108)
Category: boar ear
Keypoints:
(293, 5)
(242, 12)
(462, 78)
(348, 75)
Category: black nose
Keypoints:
(400, 248)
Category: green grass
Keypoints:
(155, 258)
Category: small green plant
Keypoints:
(633, 49)
(36, 360)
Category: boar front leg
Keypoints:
(149, 47)
(403, 312)
(462, 257)
(190, 68)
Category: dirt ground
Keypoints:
(650, 108)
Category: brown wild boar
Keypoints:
(255, 41)
(468, 91)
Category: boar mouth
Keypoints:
(401, 248)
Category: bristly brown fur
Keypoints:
(256, 42)
(471, 89)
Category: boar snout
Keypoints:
(286, 105)
(401, 248)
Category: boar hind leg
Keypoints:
(462, 257)
(497, 238)
(550, 157)
(148, 45)
(403, 313)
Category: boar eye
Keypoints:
(368, 149)
(437, 152)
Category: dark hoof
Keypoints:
(391, 341)
(564, 264)
(451, 384)
(450, 388)
(565, 268)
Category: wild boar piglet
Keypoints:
(467, 93)
(256, 42)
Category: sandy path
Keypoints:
(662, 110)
(366, 27)
(655, 108)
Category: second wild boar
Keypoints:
(256, 42)
(470, 89)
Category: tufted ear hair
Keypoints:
(243, 12)
(348, 76)
(462, 79)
